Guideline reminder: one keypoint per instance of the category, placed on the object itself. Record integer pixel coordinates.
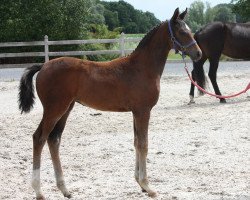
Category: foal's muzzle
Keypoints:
(195, 55)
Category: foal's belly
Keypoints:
(105, 96)
(104, 107)
(108, 103)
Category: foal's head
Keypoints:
(181, 36)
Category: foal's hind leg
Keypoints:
(54, 141)
(197, 66)
(39, 139)
(38, 144)
(141, 121)
(50, 118)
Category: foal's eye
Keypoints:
(182, 32)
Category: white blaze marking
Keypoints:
(187, 27)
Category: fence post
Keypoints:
(122, 44)
(46, 48)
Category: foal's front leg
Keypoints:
(141, 121)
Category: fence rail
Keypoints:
(47, 54)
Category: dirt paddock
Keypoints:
(196, 152)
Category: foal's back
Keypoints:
(118, 85)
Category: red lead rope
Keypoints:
(218, 96)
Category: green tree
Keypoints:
(242, 9)
(96, 14)
(129, 19)
(223, 13)
(22, 20)
(196, 17)
(111, 19)
(209, 13)
(201, 14)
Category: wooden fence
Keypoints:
(46, 53)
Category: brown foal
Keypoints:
(125, 84)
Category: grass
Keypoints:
(173, 56)
(140, 35)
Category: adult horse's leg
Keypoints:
(197, 75)
(214, 63)
(141, 120)
(54, 141)
(191, 93)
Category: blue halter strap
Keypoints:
(176, 43)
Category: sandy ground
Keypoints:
(197, 152)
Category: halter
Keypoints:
(176, 43)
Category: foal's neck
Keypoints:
(153, 54)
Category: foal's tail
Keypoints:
(26, 89)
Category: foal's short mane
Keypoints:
(148, 37)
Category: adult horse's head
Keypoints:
(181, 36)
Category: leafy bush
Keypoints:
(100, 32)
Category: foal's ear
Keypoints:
(182, 15)
(175, 15)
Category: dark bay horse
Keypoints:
(230, 39)
(125, 84)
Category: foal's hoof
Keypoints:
(152, 194)
(191, 102)
(223, 101)
(68, 195)
(40, 198)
